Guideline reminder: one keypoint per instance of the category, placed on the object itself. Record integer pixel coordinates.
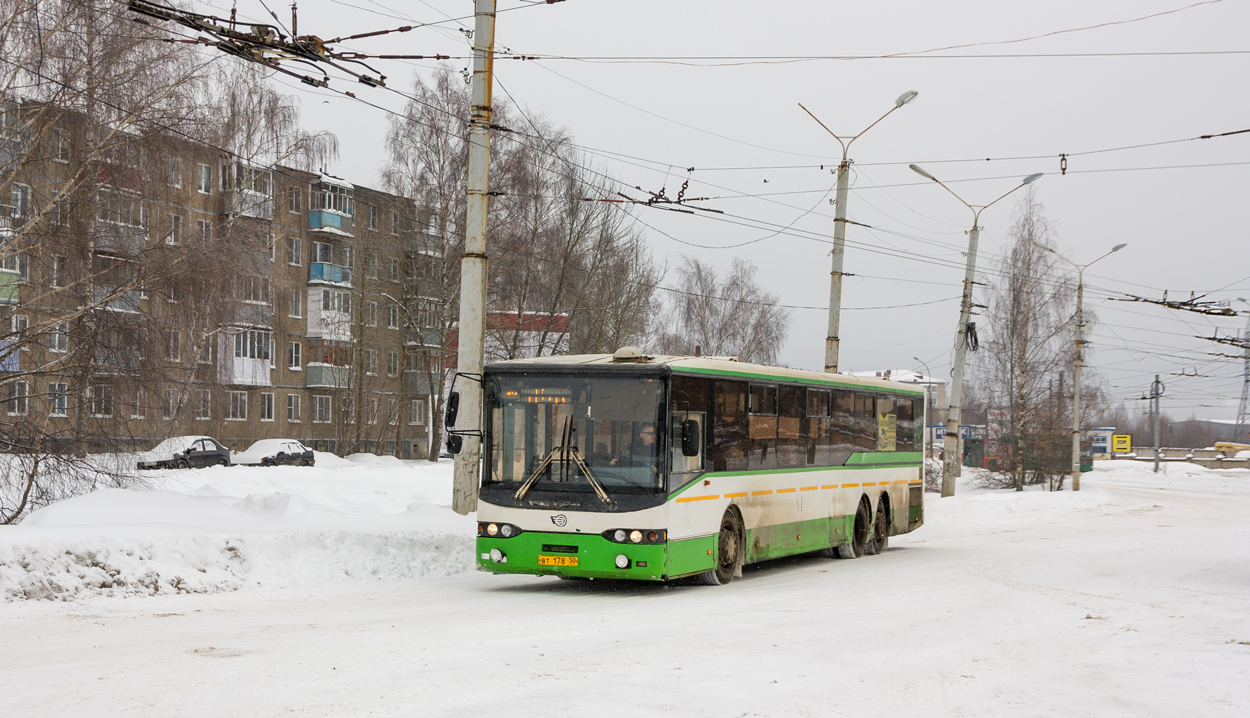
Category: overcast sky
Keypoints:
(1181, 224)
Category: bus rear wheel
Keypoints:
(859, 535)
(729, 550)
(879, 541)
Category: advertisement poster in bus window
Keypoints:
(887, 425)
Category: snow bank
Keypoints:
(225, 529)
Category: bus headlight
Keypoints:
(622, 561)
(619, 536)
(506, 530)
(492, 529)
(635, 536)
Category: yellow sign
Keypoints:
(557, 560)
(1121, 443)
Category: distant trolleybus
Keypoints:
(633, 467)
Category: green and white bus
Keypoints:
(627, 466)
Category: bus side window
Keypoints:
(817, 431)
(791, 433)
(865, 422)
(763, 427)
(729, 426)
(694, 394)
(842, 427)
(905, 425)
(680, 462)
(887, 424)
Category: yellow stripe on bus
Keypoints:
(785, 491)
(683, 499)
(809, 488)
(869, 483)
(734, 496)
(761, 493)
(830, 486)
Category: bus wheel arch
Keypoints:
(879, 536)
(730, 549)
(855, 547)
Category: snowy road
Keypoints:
(1131, 598)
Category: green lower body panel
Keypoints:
(690, 556)
(769, 542)
(595, 556)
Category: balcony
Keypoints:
(327, 376)
(321, 220)
(9, 286)
(122, 240)
(246, 203)
(242, 371)
(425, 337)
(331, 273)
(417, 242)
(250, 314)
(109, 360)
(417, 383)
(103, 298)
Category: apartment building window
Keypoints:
(57, 403)
(60, 212)
(140, 401)
(206, 350)
(203, 178)
(394, 272)
(169, 410)
(371, 265)
(205, 229)
(392, 364)
(321, 409)
(292, 409)
(61, 152)
(252, 344)
(323, 252)
(19, 263)
(253, 288)
(292, 199)
(371, 411)
(19, 398)
(335, 301)
(204, 410)
(294, 350)
(236, 408)
(394, 222)
(266, 406)
(18, 325)
(273, 247)
(173, 172)
(19, 199)
(102, 400)
(295, 304)
(371, 361)
(392, 317)
(173, 345)
(348, 256)
(293, 253)
(58, 338)
(173, 229)
(347, 410)
(60, 270)
(371, 313)
(416, 412)
(373, 217)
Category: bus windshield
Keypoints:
(557, 428)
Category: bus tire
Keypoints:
(859, 535)
(729, 548)
(879, 540)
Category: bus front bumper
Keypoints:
(577, 555)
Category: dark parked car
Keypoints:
(274, 452)
(186, 452)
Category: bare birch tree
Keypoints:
(731, 315)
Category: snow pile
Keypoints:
(223, 529)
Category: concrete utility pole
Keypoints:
(1156, 391)
(1243, 407)
(1080, 345)
(928, 400)
(472, 331)
(951, 460)
(839, 232)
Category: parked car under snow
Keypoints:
(185, 452)
(274, 452)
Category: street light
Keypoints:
(839, 231)
(928, 375)
(1076, 374)
(950, 444)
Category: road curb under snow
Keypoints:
(71, 569)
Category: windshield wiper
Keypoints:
(565, 451)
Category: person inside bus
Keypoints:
(601, 455)
(642, 451)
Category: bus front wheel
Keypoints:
(859, 535)
(729, 551)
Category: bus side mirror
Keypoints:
(690, 439)
(455, 443)
(453, 408)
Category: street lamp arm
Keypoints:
(991, 204)
(844, 145)
(874, 124)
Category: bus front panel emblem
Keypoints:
(559, 520)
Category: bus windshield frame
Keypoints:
(550, 428)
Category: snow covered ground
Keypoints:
(350, 595)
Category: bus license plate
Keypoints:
(557, 560)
